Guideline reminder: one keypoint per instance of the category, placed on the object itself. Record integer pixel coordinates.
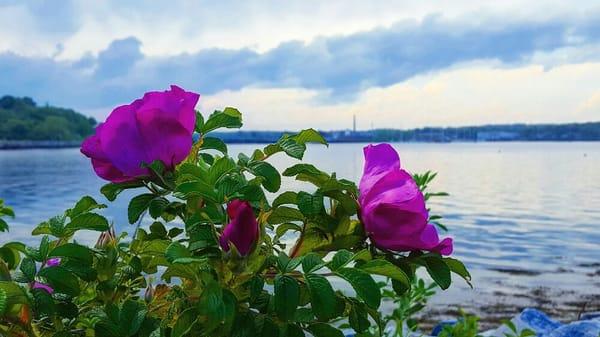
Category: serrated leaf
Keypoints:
(212, 143)
(157, 206)
(310, 204)
(85, 204)
(288, 197)
(198, 188)
(310, 136)
(89, 221)
(458, 268)
(79, 253)
(112, 190)
(284, 214)
(28, 268)
(340, 259)
(438, 270)
(386, 268)
(3, 301)
(287, 296)
(271, 178)
(322, 296)
(324, 330)
(364, 285)
(184, 323)
(131, 316)
(307, 172)
(312, 262)
(228, 118)
(61, 280)
(138, 205)
(176, 251)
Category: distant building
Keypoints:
(492, 136)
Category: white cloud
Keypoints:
(176, 26)
(466, 95)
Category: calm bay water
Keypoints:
(525, 216)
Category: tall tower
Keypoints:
(354, 123)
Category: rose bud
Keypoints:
(158, 126)
(242, 229)
(39, 285)
(149, 294)
(392, 208)
(53, 262)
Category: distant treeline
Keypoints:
(486, 133)
(23, 119)
(24, 124)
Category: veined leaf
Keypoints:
(322, 296)
(363, 284)
(287, 296)
(138, 205)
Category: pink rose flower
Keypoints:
(392, 207)
(158, 126)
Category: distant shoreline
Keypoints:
(37, 144)
(52, 144)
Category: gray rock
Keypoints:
(578, 329)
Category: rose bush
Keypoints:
(224, 252)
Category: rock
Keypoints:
(590, 315)
(440, 326)
(578, 329)
(528, 319)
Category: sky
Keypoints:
(297, 64)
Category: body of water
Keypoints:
(525, 216)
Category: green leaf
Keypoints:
(363, 284)
(157, 206)
(138, 205)
(324, 330)
(229, 118)
(322, 296)
(292, 148)
(89, 221)
(185, 322)
(176, 251)
(198, 188)
(28, 268)
(307, 172)
(111, 190)
(458, 268)
(212, 143)
(287, 296)
(310, 204)
(271, 178)
(3, 301)
(85, 204)
(3, 226)
(287, 197)
(386, 268)
(340, 259)
(61, 280)
(79, 253)
(284, 227)
(358, 317)
(14, 293)
(284, 214)
(310, 136)
(312, 262)
(131, 317)
(221, 167)
(438, 270)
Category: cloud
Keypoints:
(327, 71)
(467, 94)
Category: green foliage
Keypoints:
(467, 326)
(5, 211)
(172, 278)
(22, 119)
